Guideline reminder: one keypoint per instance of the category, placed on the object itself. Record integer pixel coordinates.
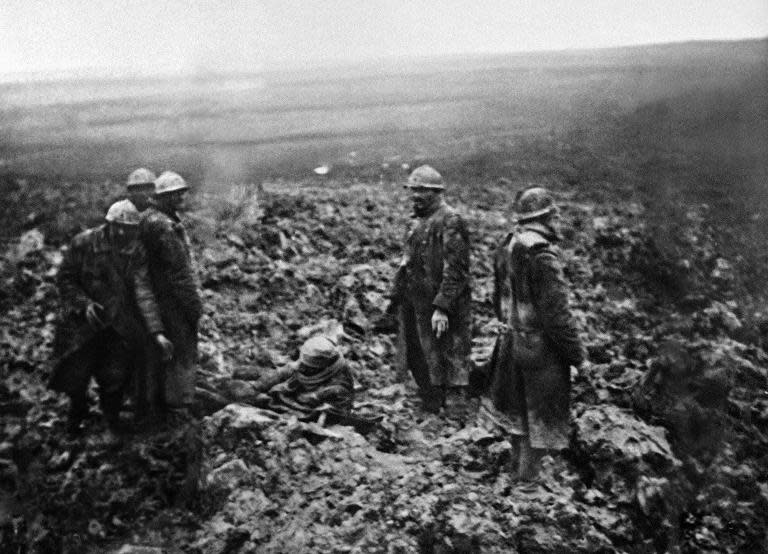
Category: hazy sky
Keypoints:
(150, 35)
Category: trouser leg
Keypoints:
(72, 377)
(530, 459)
(112, 376)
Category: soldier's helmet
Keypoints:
(140, 177)
(427, 177)
(169, 182)
(317, 353)
(123, 212)
(532, 203)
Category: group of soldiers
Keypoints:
(525, 387)
(131, 306)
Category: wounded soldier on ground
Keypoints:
(321, 378)
(109, 316)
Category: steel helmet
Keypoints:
(140, 177)
(318, 352)
(425, 176)
(169, 182)
(533, 202)
(123, 212)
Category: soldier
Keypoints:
(529, 379)
(322, 377)
(431, 294)
(139, 188)
(173, 280)
(108, 311)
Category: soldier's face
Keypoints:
(139, 196)
(423, 198)
(175, 200)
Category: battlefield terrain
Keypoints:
(659, 157)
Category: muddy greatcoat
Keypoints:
(333, 385)
(529, 380)
(434, 273)
(173, 280)
(93, 270)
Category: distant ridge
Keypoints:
(753, 50)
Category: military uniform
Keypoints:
(323, 377)
(176, 288)
(434, 273)
(94, 270)
(529, 382)
(334, 385)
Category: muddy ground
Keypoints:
(669, 448)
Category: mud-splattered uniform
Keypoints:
(434, 273)
(333, 385)
(95, 270)
(176, 288)
(529, 380)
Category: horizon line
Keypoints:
(101, 73)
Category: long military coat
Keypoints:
(93, 270)
(176, 289)
(529, 381)
(434, 273)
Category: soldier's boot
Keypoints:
(178, 417)
(530, 460)
(78, 412)
(457, 403)
(111, 403)
(433, 399)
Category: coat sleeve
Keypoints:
(397, 292)
(145, 298)
(174, 253)
(339, 391)
(73, 297)
(455, 263)
(551, 300)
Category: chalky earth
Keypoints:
(670, 414)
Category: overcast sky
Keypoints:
(163, 35)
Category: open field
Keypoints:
(248, 127)
(659, 158)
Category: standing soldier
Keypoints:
(431, 293)
(108, 309)
(139, 188)
(529, 381)
(173, 280)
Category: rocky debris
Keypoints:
(640, 477)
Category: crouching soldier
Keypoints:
(109, 317)
(173, 280)
(322, 377)
(431, 294)
(528, 385)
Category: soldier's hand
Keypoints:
(94, 314)
(166, 346)
(439, 322)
